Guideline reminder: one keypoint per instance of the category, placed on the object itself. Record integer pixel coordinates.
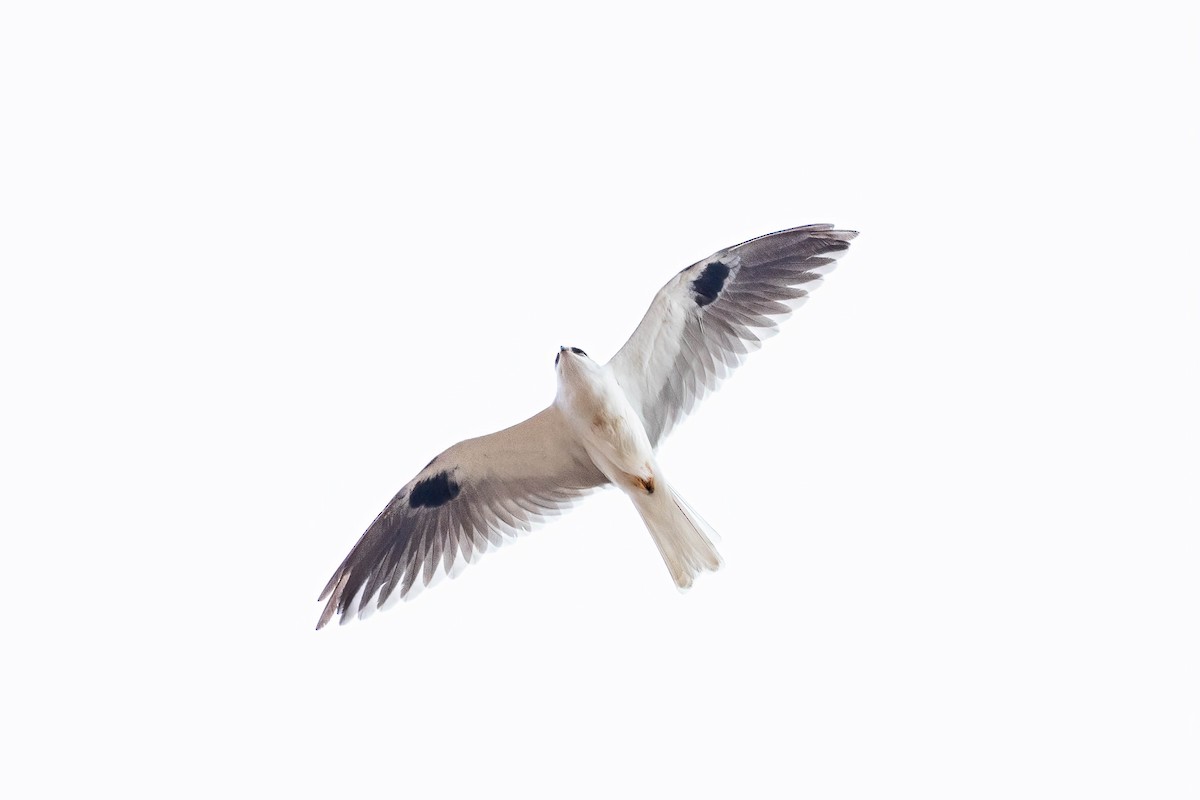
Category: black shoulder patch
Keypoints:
(710, 282)
(435, 491)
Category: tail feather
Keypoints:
(684, 539)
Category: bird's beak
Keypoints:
(562, 349)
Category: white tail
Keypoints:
(684, 540)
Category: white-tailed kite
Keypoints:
(603, 428)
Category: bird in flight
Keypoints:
(603, 428)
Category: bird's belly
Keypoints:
(608, 428)
(616, 440)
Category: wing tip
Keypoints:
(838, 234)
(334, 591)
(326, 615)
(817, 230)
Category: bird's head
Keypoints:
(578, 376)
(574, 370)
(571, 355)
(571, 363)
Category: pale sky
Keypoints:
(263, 261)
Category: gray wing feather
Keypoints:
(471, 498)
(708, 318)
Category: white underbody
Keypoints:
(606, 424)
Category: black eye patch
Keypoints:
(578, 352)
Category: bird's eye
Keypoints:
(557, 356)
(578, 352)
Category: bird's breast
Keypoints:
(610, 430)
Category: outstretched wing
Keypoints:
(465, 501)
(705, 321)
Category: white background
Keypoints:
(262, 261)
